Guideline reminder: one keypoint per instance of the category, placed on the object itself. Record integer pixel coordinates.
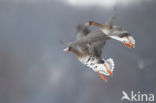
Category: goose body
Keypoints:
(114, 32)
(92, 62)
(117, 33)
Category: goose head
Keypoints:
(91, 23)
(68, 49)
(96, 24)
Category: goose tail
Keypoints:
(111, 64)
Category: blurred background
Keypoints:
(34, 68)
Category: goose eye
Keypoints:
(90, 22)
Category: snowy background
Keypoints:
(34, 68)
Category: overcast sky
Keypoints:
(34, 68)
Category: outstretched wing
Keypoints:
(82, 32)
(90, 38)
(95, 48)
(93, 42)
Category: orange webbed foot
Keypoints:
(102, 76)
(126, 44)
(108, 70)
(129, 42)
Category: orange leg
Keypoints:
(103, 77)
(126, 44)
(108, 70)
(130, 42)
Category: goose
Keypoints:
(89, 49)
(115, 32)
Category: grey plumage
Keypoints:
(92, 42)
(82, 32)
(90, 37)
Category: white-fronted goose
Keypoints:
(114, 32)
(89, 49)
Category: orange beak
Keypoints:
(87, 24)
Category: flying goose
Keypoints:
(114, 32)
(89, 49)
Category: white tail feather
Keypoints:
(132, 39)
(111, 64)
